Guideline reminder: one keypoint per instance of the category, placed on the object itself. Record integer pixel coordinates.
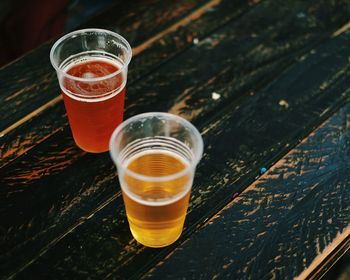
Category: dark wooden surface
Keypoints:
(266, 83)
(281, 225)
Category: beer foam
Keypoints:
(90, 97)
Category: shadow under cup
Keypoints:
(156, 155)
(92, 66)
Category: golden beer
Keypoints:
(156, 155)
(156, 208)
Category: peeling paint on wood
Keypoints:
(289, 225)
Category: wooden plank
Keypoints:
(26, 84)
(284, 224)
(19, 137)
(257, 134)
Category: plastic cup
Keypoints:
(156, 156)
(92, 66)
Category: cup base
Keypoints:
(157, 238)
(91, 150)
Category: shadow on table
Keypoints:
(341, 270)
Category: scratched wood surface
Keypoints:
(59, 201)
(284, 224)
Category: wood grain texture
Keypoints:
(48, 122)
(256, 134)
(295, 213)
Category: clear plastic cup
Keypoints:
(156, 155)
(92, 66)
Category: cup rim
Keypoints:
(197, 154)
(96, 79)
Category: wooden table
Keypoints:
(266, 82)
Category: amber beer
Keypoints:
(91, 66)
(94, 108)
(156, 211)
(156, 155)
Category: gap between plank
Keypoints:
(315, 266)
